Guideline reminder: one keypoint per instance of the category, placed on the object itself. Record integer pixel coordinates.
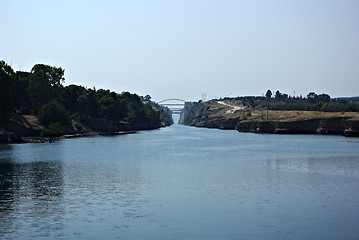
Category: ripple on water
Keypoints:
(181, 183)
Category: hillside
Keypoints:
(36, 103)
(239, 115)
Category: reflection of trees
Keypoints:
(45, 180)
(6, 194)
(6, 186)
(30, 191)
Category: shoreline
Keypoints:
(284, 131)
(9, 138)
(27, 129)
(77, 135)
(91, 134)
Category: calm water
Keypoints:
(182, 183)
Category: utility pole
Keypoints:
(204, 97)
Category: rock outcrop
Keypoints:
(29, 126)
(24, 125)
(8, 137)
(334, 126)
(205, 115)
(108, 126)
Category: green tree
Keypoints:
(312, 97)
(87, 103)
(53, 75)
(70, 97)
(53, 130)
(147, 98)
(44, 85)
(53, 112)
(268, 94)
(108, 107)
(6, 83)
(323, 97)
(20, 94)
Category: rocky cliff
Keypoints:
(214, 115)
(335, 126)
(29, 126)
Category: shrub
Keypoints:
(53, 112)
(53, 130)
(79, 126)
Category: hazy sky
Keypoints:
(181, 49)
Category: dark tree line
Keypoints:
(6, 84)
(41, 92)
(313, 102)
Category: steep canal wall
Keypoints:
(203, 114)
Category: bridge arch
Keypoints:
(172, 99)
(174, 104)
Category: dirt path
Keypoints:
(234, 108)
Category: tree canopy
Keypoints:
(41, 92)
(6, 84)
(44, 85)
(269, 94)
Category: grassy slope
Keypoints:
(216, 109)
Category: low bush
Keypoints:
(53, 112)
(53, 130)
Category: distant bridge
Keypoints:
(174, 104)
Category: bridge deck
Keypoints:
(176, 108)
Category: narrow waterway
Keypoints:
(181, 183)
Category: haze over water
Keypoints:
(181, 183)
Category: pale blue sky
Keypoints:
(181, 49)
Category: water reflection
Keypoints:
(335, 165)
(109, 193)
(6, 186)
(181, 183)
(32, 191)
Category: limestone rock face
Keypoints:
(336, 126)
(24, 125)
(205, 115)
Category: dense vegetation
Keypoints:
(41, 92)
(312, 102)
(6, 107)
